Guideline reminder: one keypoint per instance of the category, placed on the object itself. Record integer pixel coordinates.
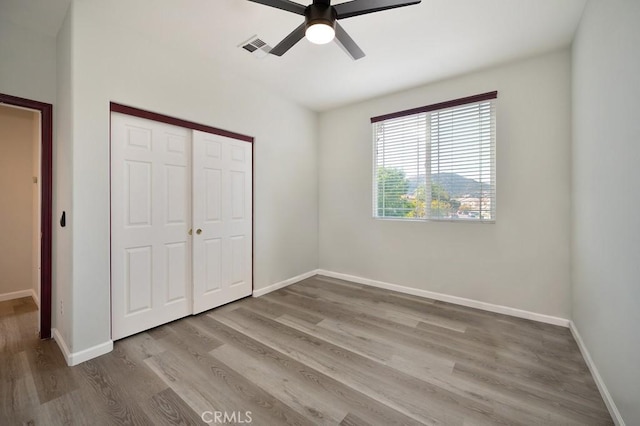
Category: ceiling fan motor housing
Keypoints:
(321, 25)
(320, 12)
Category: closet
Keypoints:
(181, 222)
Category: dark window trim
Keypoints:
(136, 112)
(46, 202)
(441, 105)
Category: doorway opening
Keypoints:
(42, 232)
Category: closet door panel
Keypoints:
(181, 215)
(150, 219)
(213, 265)
(222, 214)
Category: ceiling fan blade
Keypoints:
(362, 7)
(289, 41)
(347, 43)
(287, 5)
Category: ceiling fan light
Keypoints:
(320, 33)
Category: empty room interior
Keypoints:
(361, 212)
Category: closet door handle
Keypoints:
(190, 231)
(199, 231)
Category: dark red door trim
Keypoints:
(46, 202)
(141, 113)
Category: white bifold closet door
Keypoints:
(222, 212)
(181, 222)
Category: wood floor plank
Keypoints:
(397, 333)
(319, 280)
(390, 386)
(386, 301)
(171, 409)
(143, 385)
(323, 351)
(18, 394)
(363, 303)
(364, 307)
(140, 346)
(11, 339)
(114, 403)
(319, 362)
(49, 371)
(402, 358)
(576, 411)
(194, 338)
(352, 420)
(64, 411)
(439, 344)
(12, 365)
(275, 310)
(221, 386)
(291, 391)
(317, 383)
(377, 351)
(163, 365)
(213, 386)
(6, 309)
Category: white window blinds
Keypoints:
(437, 162)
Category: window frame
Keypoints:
(489, 96)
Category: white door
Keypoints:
(150, 221)
(222, 220)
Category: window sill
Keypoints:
(459, 220)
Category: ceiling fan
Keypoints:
(320, 24)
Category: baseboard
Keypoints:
(16, 295)
(604, 392)
(34, 296)
(285, 283)
(506, 310)
(75, 358)
(61, 344)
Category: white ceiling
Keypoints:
(405, 47)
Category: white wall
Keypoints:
(28, 70)
(115, 64)
(606, 195)
(521, 261)
(16, 186)
(62, 242)
(28, 63)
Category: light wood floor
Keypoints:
(322, 351)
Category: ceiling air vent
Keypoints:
(256, 47)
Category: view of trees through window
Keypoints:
(451, 196)
(436, 164)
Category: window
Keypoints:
(437, 162)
